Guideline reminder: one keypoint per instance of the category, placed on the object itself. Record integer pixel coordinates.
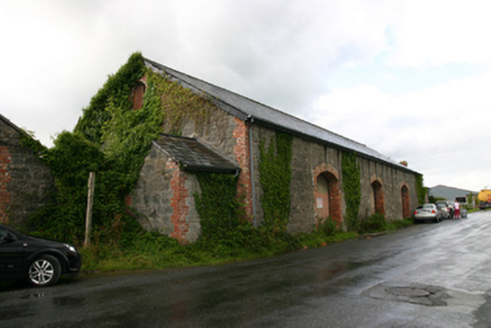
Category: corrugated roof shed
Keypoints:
(247, 109)
(449, 193)
(193, 155)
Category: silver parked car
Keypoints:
(428, 212)
(446, 214)
(450, 206)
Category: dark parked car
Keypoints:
(484, 205)
(39, 261)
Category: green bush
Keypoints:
(328, 227)
(399, 224)
(374, 223)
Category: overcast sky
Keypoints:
(410, 79)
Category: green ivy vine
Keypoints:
(352, 189)
(179, 104)
(27, 139)
(116, 90)
(216, 204)
(420, 189)
(111, 140)
(275, 178)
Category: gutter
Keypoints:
(304, 136)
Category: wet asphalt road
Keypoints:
(428, 275)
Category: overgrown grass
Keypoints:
(399, 224)
(150, 251)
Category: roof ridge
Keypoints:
(246, 108)
(245, 97)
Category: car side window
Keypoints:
(3, 234)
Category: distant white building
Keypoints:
(451, 193)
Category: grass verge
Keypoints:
(153, 251)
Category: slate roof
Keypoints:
(193, 155)
(247, 109)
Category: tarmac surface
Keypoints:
(427, 275)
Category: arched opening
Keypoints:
(378, 197)
(328, 197)
(406, 209)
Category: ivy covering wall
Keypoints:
(420, 189)
(111, 140)
(217, 205)
(352, 189)
(179, 104)
(275, 178)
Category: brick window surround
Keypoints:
(327, 194)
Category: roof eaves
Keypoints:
(212, 169)
(194, 167)
(327, 143)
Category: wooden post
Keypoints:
(90, 203)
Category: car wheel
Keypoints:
(44, 271)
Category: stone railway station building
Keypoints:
(229, 142)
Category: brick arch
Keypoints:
(378, 197)
(405, 200)
(327, 194)
(325, 168)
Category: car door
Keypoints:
(11, 254)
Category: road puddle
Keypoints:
(427, 295)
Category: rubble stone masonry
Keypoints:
(5, 158)
(26, 183)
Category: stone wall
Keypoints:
(25, 182)
(164, 194)
(229, 137)
(163, 198)
(392, 181)
(310, 159)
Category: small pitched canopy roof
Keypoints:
(193, 155)
(247, 109)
